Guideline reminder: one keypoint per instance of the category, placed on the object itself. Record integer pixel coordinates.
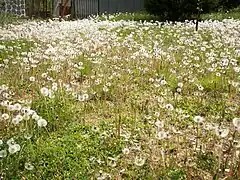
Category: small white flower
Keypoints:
(10, 142)
(1, 142)
(19, 117)
(139, 161)
(105, 89)
(161, 135)
(15, 121)
(169, 107)
(222, 132)
(3, 153)
(5, 116)
(54, 88)
(180, 84)
(28, 166)
(32, 79)
(17, 107)
(236, 122)
(126, 151)
(200, 88)
(42, 122)
(85, 96)
(11, 107)
(159, 124)
(198, 119)
(14, 148)
(44, 91)
(163, 82)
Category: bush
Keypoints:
(180, 10)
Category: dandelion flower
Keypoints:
(170, 107)
(139, 161)
(3, 153)
(236, 122)
(163, 82)
(161, 135)
(126, 151)
(32, 79)
(198, 119)
(105, 89)
(42, 122)
(222, 132)
(180, 84)
(85, 96)
(5, 116)
(17, 107)
(28, 166)
(159, 124)
(44, 91)
(14, 148)
(15, 121)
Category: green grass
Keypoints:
(231, 14)
(6, 19)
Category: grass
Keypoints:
(119, 99)
(234, 14)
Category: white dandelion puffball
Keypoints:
(236, 122)
(42, 122)
(198, 119)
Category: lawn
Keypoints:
(102, 99)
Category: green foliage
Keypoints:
(70, 154)
(6, 18)
(176, 174)
(176, 10)
(206, 161)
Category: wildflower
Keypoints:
(163, 82)
(126, 151)
(161, 135)
(222, 132)
(19, 117)
(180, 84)
(5, 116)
(11, 108)
(169, 107)
(10, 142)
(42, 122)
(3, 153)
(28, 166)
(15, 121)
(95, 129)
(44, 91)
(157, 114)
(1, 142)
(80, 98)
(198, 119)
(159, 124)
(14, 148)
(85, 96)
(35, 116)
(32, 79)
(17, 107)
(105, 89)
(139, 161)
(200, 88)
(54, 88)
(236, 122)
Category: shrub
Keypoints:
(179, 10)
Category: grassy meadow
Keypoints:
(118, 99)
